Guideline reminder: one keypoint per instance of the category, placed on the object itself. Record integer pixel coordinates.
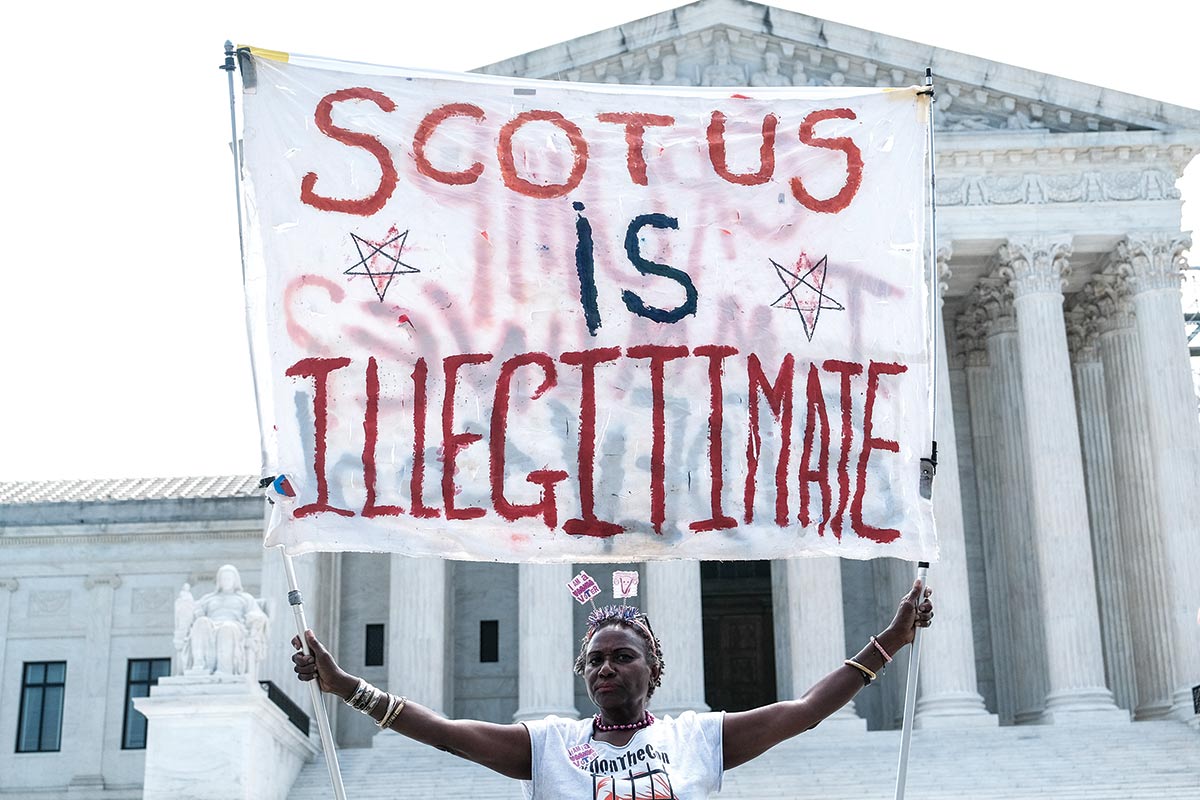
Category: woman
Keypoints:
(623, 751)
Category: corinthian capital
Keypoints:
(1108, 294)
(1156, 259)
(971, 327)
(994, 297)
(1083, 332)
(1035, 265)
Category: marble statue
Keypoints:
(723, 72)
(225, 631)
(770, 74)
(670, 72)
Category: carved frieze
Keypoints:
(49, 603)
(1034, 188)
(152, 600)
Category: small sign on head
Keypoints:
(583, 587)
(625, 583)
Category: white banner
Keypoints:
(520, 320)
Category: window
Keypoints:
(374, 646)
(140, 676)
(489, 641)
(39, 726)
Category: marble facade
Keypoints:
(1067, 427)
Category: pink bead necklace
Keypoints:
(644, 722)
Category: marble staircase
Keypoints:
(1138, 761)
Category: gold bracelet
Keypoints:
(868, 674)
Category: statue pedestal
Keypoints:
(219, 737)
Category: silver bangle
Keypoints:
(358, 691)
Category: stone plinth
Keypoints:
(218, 738)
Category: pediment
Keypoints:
(739, 43)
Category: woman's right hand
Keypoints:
(320, 665)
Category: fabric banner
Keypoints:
(515, 320)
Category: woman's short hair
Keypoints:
(630, 617)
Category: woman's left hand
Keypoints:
(915, 611)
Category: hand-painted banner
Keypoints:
(532, 321)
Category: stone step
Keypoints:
(1139, 761)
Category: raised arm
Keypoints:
(503, 748)
(748, 734)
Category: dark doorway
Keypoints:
(739, 635)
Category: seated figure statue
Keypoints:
(225, 631)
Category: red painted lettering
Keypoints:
(871, 442)
(453, 442)
(635, 132)
(420, 377)
(815, 411)
(588, 524)
(370, 438)
(716, 354)
(854, 162)
(425, 130)
(365, 206)
(779, 398)
(546, 507)
(508, 169)
(318, 369)
(847, 370)
(766, 151)
(658, 355)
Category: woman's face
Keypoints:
(616, 669)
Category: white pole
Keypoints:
(335, 773)
(331, 760)
(910, 692)
(914, 656)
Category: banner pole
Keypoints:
(294, 599)
(910, 693)
(235, 147)
(297, 604)
(914, 656)
(931, 254)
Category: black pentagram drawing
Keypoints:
(380, 261)
(805, 291)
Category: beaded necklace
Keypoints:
(644, 722)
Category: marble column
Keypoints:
(1020, 593)
(1137, 511)
(418, 621)
(981, 390)
(1094, 434)
(672, 592)
(1037, 270)
(949, 696)
(810, 595)
(89, 721)
(7, 587)
(1174, 433)
(545, 682)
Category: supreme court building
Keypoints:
(1069, 450)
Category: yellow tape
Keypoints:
(262, 52)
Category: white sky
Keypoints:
(122, 336)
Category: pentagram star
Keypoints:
(380, 261)
(805, 291)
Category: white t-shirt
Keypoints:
(674, 759)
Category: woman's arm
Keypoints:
(503, 748)
(748, 734)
